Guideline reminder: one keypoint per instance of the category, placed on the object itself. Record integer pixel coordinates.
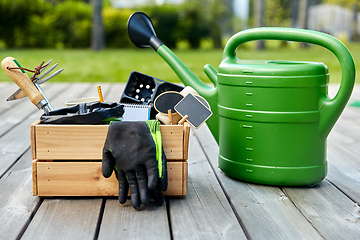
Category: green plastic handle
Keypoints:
(330, 109)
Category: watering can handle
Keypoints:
(330, 109)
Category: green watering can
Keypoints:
(270, 118)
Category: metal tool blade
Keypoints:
(46, 65)
(47, 71)
(17, 95)
(49, 77)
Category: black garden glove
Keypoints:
(84, 113)
(133, 151)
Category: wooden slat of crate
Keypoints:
(85, 142)
(173, 141)
(70, 141)
(85, 179)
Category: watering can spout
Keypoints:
(211, 73)
(142, 34)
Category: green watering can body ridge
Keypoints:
(271, 119)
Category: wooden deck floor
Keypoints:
(216, 206)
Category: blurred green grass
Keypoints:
(115, 65)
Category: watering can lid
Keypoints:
(272, 68)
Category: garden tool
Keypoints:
(270, 118)
(18, 94)
(30, 88)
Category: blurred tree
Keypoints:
(302, 15)
(97, 34)
(277, 13)
(115, 26)
(74, 21)
(259, 9)
(294, 13)
(206, 18)
(166, 19)
(42, 32)
(219, 18)
(355, 36)
(14, 19)
(194, 23)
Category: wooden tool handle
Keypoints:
(183, 120)
(170, 117)
(22, 80)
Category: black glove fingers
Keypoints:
(108, 163)
(153, 177)
(163, 183)
(157, 196)
(143, 184)
(134, 189)
(123, 186)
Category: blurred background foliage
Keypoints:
(41, 24)
(67, 23)
(192, 24)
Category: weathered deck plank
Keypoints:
(344, 170)
(17, 202)
(123, 222)
(6, 90)
(205, 207)
(343, 149)
(15, 142)
(266, 212)
(113, 92)
(331, 212)
(21, 108)
(65, 219)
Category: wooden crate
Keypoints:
(67, 160)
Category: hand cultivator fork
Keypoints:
(30, 87)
